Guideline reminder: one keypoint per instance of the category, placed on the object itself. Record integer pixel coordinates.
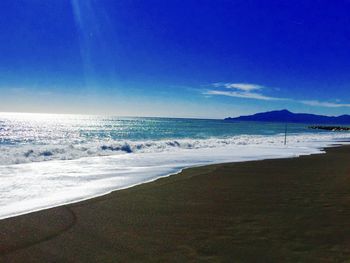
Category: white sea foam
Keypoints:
(72, 173)
(37, 153)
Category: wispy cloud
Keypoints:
(240, 90)
(324, 104)
(254, 91)
(238, 86)
(245, 95)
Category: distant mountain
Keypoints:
(287, 116)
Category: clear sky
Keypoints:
(174, 58)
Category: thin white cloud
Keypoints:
(238, 86)
(240, 90)
(245, 95)
(244, 86)
(254, 91)
(324, 104)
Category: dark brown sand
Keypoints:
(288, 210)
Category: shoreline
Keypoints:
(322, 150)
(270, 209)
(60, 182)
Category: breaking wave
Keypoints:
(27, 153)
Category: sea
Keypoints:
(47, 160)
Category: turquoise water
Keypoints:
(41, 137)
(18, 129)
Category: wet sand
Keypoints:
(286, 210)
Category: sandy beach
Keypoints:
(284, 210)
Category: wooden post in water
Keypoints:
(285, 134)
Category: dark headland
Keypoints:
(290, 117)
(286, 210)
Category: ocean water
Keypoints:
(49, 160)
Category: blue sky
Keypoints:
(174, 58)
